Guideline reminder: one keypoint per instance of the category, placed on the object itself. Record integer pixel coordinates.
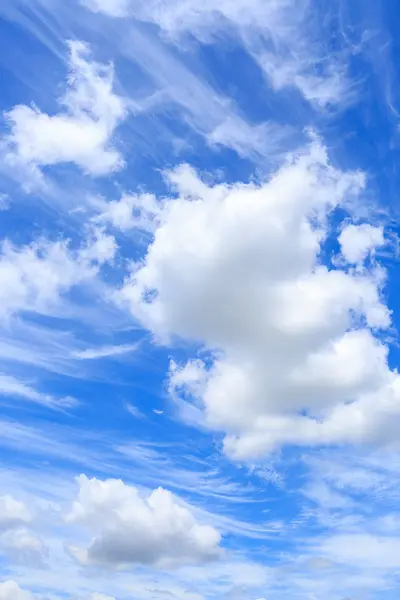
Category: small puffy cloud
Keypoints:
(22, 546)
(81, 133)
(34, 277)
(10, 590)
(130, 527)
(130, 212)
(358, 241)
(293, 357)
(13, 513)
(17, 541)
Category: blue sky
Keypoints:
(198, 300)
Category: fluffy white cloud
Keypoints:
(128, 213)
(33, 277)
(9, 590)
(22, 546)
(237, 268)
(13, 513)
(81, 133)
(16, 540)
(132, 528)
(358, 241)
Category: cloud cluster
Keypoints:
(81, 133)
(293, 356)
(131, 528)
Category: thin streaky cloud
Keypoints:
(105, 351)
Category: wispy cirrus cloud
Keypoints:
(105, 351)
(13, 387)
(282, 36)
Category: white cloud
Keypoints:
(22, 546)
(281, 35)
(9, 590)
(134, 411)
(11, 386)
(81, 133)
(34, 277)
(132, 528)
(237, 269)
(105, 351)
(265, 139)
(358, 241)
(13, 513)
(130, 212)
(4, 202)
(22, 540)
(113, 8)
(207, 111)
(373, 552)
(17, 542)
